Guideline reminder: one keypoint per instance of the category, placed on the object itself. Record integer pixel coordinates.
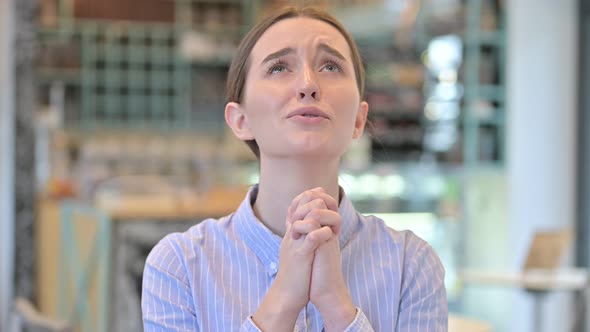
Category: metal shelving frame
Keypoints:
(131, 74)
(475, 91)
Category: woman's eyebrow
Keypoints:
(329, 49)
(278, 54)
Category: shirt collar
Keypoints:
(266, 244)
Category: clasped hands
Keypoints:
(310, 267)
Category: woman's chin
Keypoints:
(312, 151)
(306, 147)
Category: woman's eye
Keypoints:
(331, 67)
(277, 68)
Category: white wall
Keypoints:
(542, 101)
(6, 162)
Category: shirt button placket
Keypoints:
(273, 267)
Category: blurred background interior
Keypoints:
(112, 135)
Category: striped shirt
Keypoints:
(214, 276)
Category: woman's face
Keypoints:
(301, 96)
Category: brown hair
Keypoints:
(236, 78)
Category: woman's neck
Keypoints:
(284, 179)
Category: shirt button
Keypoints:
(273, 266)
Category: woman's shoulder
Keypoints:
(181, 246)
(405, 240)
(417, 253)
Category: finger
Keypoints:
(303, 227)
(288, 231)
(302, 198)
(307, 196)
(315, 200)
(305, 209)
(330, 201)
(318, 211)
(316, 238)
(326, 218)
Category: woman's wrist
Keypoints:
(276, 312)
(268, 318)
(338, 313)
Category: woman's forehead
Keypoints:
(298, 33)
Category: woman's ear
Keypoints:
(237, 121)
(361, 119)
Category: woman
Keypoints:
(295, 255)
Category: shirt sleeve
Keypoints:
(423, 305)
(360, 323)
(166, 300)
(249, 326)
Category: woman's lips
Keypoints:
(308, 113)
(308, 119)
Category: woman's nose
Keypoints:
(308, 86)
